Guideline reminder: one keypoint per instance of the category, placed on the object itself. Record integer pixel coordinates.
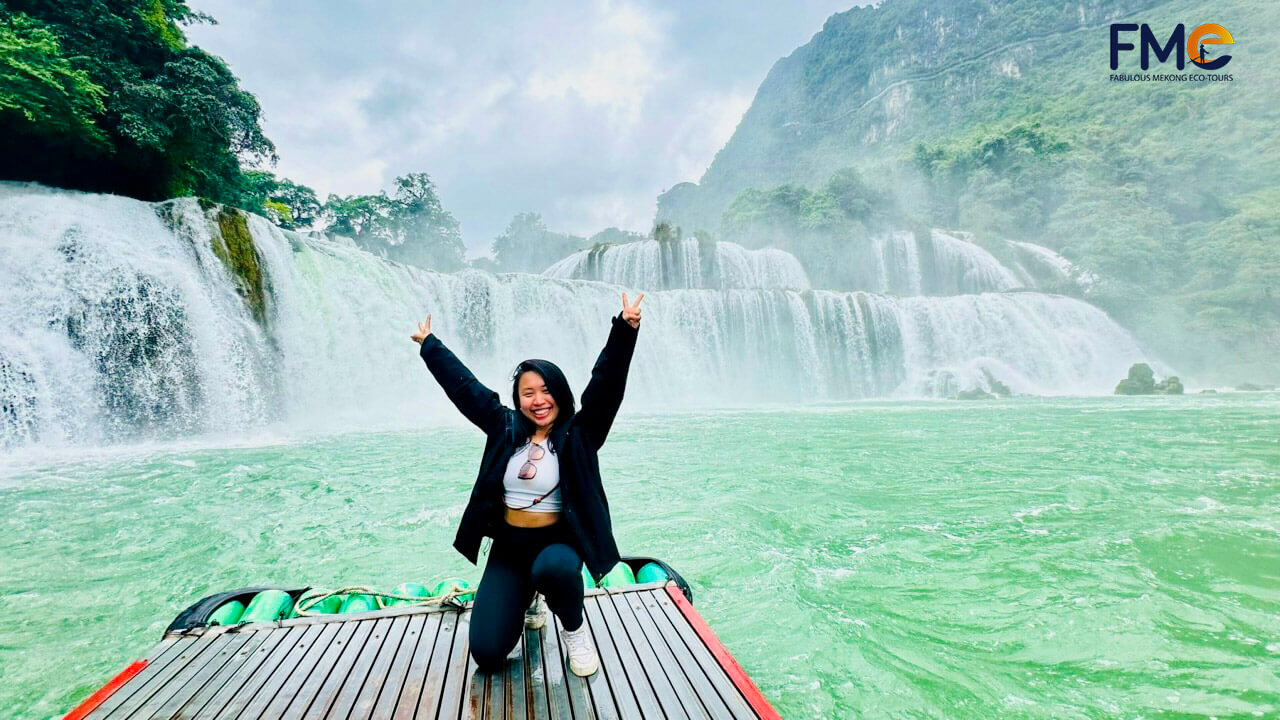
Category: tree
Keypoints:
(528, 246)
(42, 90)
(286, 203)
(109, 97)
(410, 227)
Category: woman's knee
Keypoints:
(557, 564)
(488, 648)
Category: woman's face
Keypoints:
(535, 401)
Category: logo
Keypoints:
(1199, 47)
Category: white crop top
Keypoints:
(521, 493)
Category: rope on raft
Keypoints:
(311, 598)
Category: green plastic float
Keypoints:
(227, 613)
(268, 606)
(273, 605)
(409, 589)
(331, 605)
(359, 603)
(620, 576)
(446, 585)
(652, 572)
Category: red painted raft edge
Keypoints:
(93, 701)
(740, 679)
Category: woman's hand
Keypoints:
(630, 312)
(424, 329)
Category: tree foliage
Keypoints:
(411, 226)
(110, 97)
(528, 246)
(288, 204)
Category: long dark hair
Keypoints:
(557, 385)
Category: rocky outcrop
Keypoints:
(1142, 381)
(233, 244)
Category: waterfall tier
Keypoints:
(683, 264)
(119, 320)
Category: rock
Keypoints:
(233, 244)
(998, 389)
(1141, 381)
(1253, 387)
(975, 394)
(1209, 391)
(1169, 386)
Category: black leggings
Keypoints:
(521, 561)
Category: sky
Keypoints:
(581, 111)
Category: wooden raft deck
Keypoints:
(657, 660)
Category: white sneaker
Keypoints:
(535, 616)
(583, 660)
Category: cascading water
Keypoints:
(118, 321)
(684, 264)
(940, 263)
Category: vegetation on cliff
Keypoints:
(111, 98)
(999, 117)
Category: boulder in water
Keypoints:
(1141, 381)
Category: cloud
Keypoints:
(583, 112)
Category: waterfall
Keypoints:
(680, 264)
(120, 322)
(950, 263)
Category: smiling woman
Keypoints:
(541, 470)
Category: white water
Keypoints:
(680, 265)
(950, 263)
(118, 325)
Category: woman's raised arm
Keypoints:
(603, 396)
(478, 403)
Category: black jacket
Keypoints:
(584, 505)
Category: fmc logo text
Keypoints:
(1196, 47)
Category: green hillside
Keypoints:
(1001, 118)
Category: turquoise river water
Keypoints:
(1038, 558)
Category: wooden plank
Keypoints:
(642, 630)
(362, 691)
(229, 669)
(576, 691)
(724, 687)
(292, 686)
(559, 703)
(737, 675)
(429, 700)
(496, 701)
(394, 684)
(518, 706)
(216, 664)
(231, 704)
(625, 695)
(537, 675)
(206, 648)
(649, 664)
(245, 668)
(647, 602)
(165, 653)
(473, 701)
(407, 702)
(331, 668)
(456, 679)
(293, 669)
(386, 631)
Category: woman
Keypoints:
(538, 493)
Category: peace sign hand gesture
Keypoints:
(631, 311)
(424, 329)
